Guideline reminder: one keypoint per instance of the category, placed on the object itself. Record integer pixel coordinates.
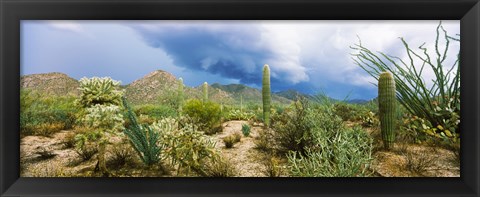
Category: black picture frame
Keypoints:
(12, 11)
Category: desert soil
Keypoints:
(49, 156)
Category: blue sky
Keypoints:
(309, 56)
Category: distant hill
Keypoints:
(292, 94)
(54, 83)
(148, 88)
(248, 94)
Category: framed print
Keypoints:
(247, 98)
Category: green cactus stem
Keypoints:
(205, 92)
(180, 94)
(266, 95)
(387, 107)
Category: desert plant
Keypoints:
(143, 139)
(345, 152)
(205, 91)
(44, 114)
(204, 114)
(237, 137)
(438, 104)
(236, 114)
(272, 167)
(266, 140)
(246, 130)
(220, 168)
(121, 155)
(185, 146)
(229, 141)
(155, 111)
(180, 93)
(101, 100)
(266, 95)
(293, 128)
(387, 107)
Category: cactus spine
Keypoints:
(180, 94)
(266, 95)
(205, 91)
(387, 107)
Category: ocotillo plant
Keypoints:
(266, 95)
(180, 94)
(205, 91)
(387, 107)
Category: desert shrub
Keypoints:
(185, 146)
(369, 119)
(272, 167)
(437, 103)
(121, 155)
(237, 114)
(246, 130)
(293, 127)
(237, 136)
(143, 138)
(345, 111)
(266, 140)
(419, 161)
(344, 152)
(205, 114)
(220, 168)
(229, 141)
(86, 151)
(155, 111)
(45, 115)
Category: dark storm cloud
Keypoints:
(231, 52)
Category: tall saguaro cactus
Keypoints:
(180, 94)
(205, 91)
(387, 107)
(266, 95)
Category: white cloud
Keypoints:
(69, 26)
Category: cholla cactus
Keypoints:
(266, 95)
(387, 107)
(98, 90)
(101, 99)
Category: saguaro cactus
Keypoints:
(266, 95)
(205, 91)
(387, 107)
(180, 94)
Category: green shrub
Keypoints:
(155, 111)
(229, 141)
(266, 140)
(245, 130)
(45, 115)
(204, 114)
(344, 152)
(293, 127)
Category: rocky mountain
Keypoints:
(154, 87)
(150, 87)
(54, 83)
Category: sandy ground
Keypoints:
(247, 160)
(49, 157)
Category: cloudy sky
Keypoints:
(309, 56)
